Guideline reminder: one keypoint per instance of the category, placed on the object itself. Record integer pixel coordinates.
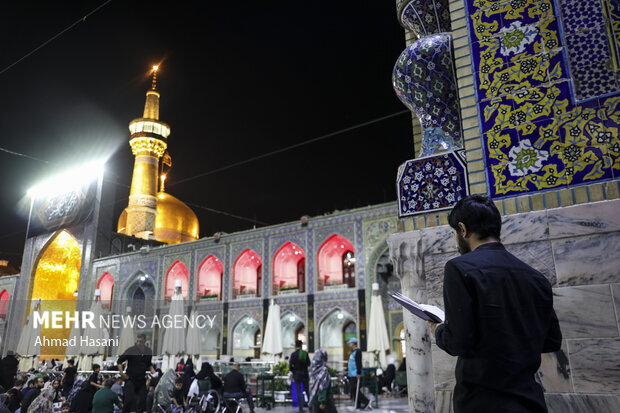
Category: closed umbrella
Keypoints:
(93, 350)
(27, 350)
(272, 337)
(127, 338)
(192, 342)
(378, 339)
(73, 347)
(173, 346)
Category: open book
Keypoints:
(424, 311)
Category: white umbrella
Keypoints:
(92, 353)
(26, 348)
(174, 338)
(127, 337)
(378, 339)
(272, 337)
(192, 342)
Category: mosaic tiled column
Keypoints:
(406, 255)
(424, 80)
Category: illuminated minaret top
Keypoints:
(148, 143)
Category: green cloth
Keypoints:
(104, 401)
(325, 395)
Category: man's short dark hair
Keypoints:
(141, 335)
(298, 343)
(71, 361)
(96, 366)
(479, 214)
(109, 382)
(178, 380)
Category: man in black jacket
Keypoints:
(235, 387)
(8, 367)
(298, 365)
(499, 317)
(138, 360)
(32, 393)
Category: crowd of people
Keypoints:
(130, 389)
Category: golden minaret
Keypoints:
(148, 143)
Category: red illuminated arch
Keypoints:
(247, 274)
(289, 268)
(177, 271)
(210, 277)
(106, 286)
(4, 303)
(336, 262)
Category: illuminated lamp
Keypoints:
(69, 180)
(250, 321)
(291, 318)
(340, 316)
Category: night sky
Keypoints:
(237, 80)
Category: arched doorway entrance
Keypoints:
(336, 328)
(140, 296)
(293, 329)
(55, 282)
(246, 338)
(210, 341)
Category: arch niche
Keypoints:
(335, 329)
(336, 264)
(293, 329)
(106, 285)
(4, 303)
(210, 275)
(177, 271)
(56, 278)
(289, 269)
(247, 274)
(246, 338)
(141, 295)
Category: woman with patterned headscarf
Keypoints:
(44, 401)
(321, 395)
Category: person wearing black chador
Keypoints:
(499, 317)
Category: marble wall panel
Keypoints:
(584, 219)
(525, 227)
(539, 255)
(595, 365)
(438, 240)
(582, 403)
(443, 369)
(433, 269)
(615, 290)
(585, 311)
(554, 373)
(593, 259)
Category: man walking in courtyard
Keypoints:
(138, 360)
(499, 317)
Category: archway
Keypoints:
(293, 329)
(247, 274)
(332, 333)
(209, 282)
(105, 284)
(141, 295)
(4, 303)
(246, 338)
(336, 263)
(177, 271)
(289, 269)
(55, 282)
(210, 341)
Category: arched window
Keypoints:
(4, 303)
(106, 286)
(177, 271)
(247, 274)
(210, 279)
(289, 269)
(336, 263)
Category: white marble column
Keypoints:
(406, 255)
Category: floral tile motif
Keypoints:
(535, 137)
(424, 17)
(432, 183)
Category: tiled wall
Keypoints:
(578, 249)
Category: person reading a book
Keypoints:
(499, 317)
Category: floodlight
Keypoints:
(69, 180)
